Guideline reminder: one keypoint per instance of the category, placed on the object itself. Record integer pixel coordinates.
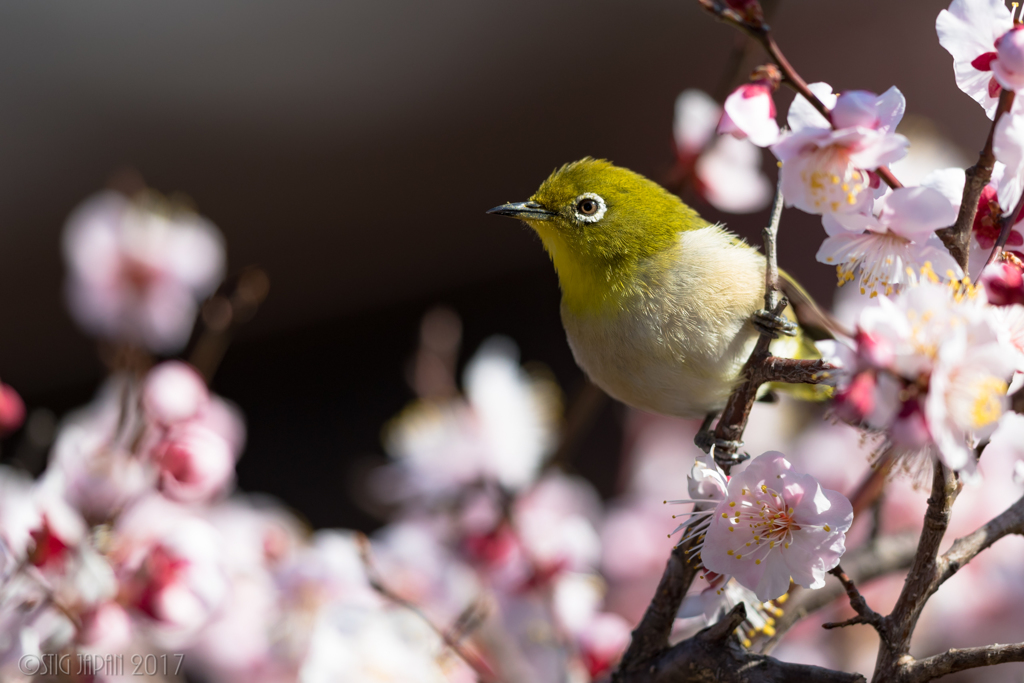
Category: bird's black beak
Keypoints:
(526, 210)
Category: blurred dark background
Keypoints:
(350, 148)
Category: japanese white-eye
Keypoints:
(656, 302)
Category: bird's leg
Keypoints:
(705, 438)
(773, 325)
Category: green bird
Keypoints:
(660, 307)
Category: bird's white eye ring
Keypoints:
(589, 208)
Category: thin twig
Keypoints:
(865, 615)
(450, 637)
(761, 32)
(881, 557)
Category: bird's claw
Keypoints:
(768, 323)
(706, 440)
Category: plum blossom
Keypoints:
(933, 366)
(885, 249)
(776, 525)
(501, 431)
(726, 171)
(1004, 284)
(969, 30)
(750, 114)
(825, 169)
(168, 561)
(966, 396)
(137, 271)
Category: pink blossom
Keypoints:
(196, 457)
(776, 525)
(825, 170)
(135, 273)
(750, 113)
(726, 171)
(899, 236)
(169, 563)
(969, 30)
(1008, 66)
(1004, 284)
(966, 397)
(173, 392)
(987, 226)
(1008, 147)
(501, 430)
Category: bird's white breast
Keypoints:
(676, 344)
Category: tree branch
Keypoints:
(650, 637)
(763, 367)
(713, 655)
(866, 563)
(922, 580)
(960, 659)
(964, 549)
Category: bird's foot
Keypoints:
(768, 323)
(706, 440)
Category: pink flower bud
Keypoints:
(1004, 284)
(1008, 66)
(12, 410)
(195, 464)
(173, 392)
(750, 113)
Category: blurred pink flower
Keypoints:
(196, 457)
(750, 114)
(602, 642)
(765, 537)
(825, 170)
(173, 392)
(136, 273)
(1004, 284)
(969, 30)
(727, 171)
(1008, 147)
(501, 431)
(169, 562)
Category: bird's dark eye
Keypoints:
(589, 208)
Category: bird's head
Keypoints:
(598, 221)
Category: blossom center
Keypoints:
(988, 401)
(831, 181)
(763, 514)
